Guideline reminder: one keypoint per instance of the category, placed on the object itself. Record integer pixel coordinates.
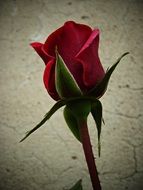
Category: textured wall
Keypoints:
(52, 159)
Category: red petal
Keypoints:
(93, 71)
(49, 80)
(69, 39)
(72, 39)
(52, 41)
(38, 48)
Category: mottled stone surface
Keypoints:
(52, 159)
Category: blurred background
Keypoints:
(52, 159)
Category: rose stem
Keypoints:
(85, 139)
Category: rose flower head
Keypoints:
(77, 46)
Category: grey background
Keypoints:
(52, 159)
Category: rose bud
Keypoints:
(77, 46)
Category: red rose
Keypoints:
(78, 45)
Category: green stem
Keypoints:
(85, 139)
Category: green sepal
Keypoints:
(75, 111)
(66, 85)
(96, 111)
(100, 88)
(77, 186)
(72, 123)
(80, 108)
(58, 105)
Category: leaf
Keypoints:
(102, 86)
(72, 123)
(59, 104)
(77, 186)
(96, 111)
(66, 85)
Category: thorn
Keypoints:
(103, 121)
